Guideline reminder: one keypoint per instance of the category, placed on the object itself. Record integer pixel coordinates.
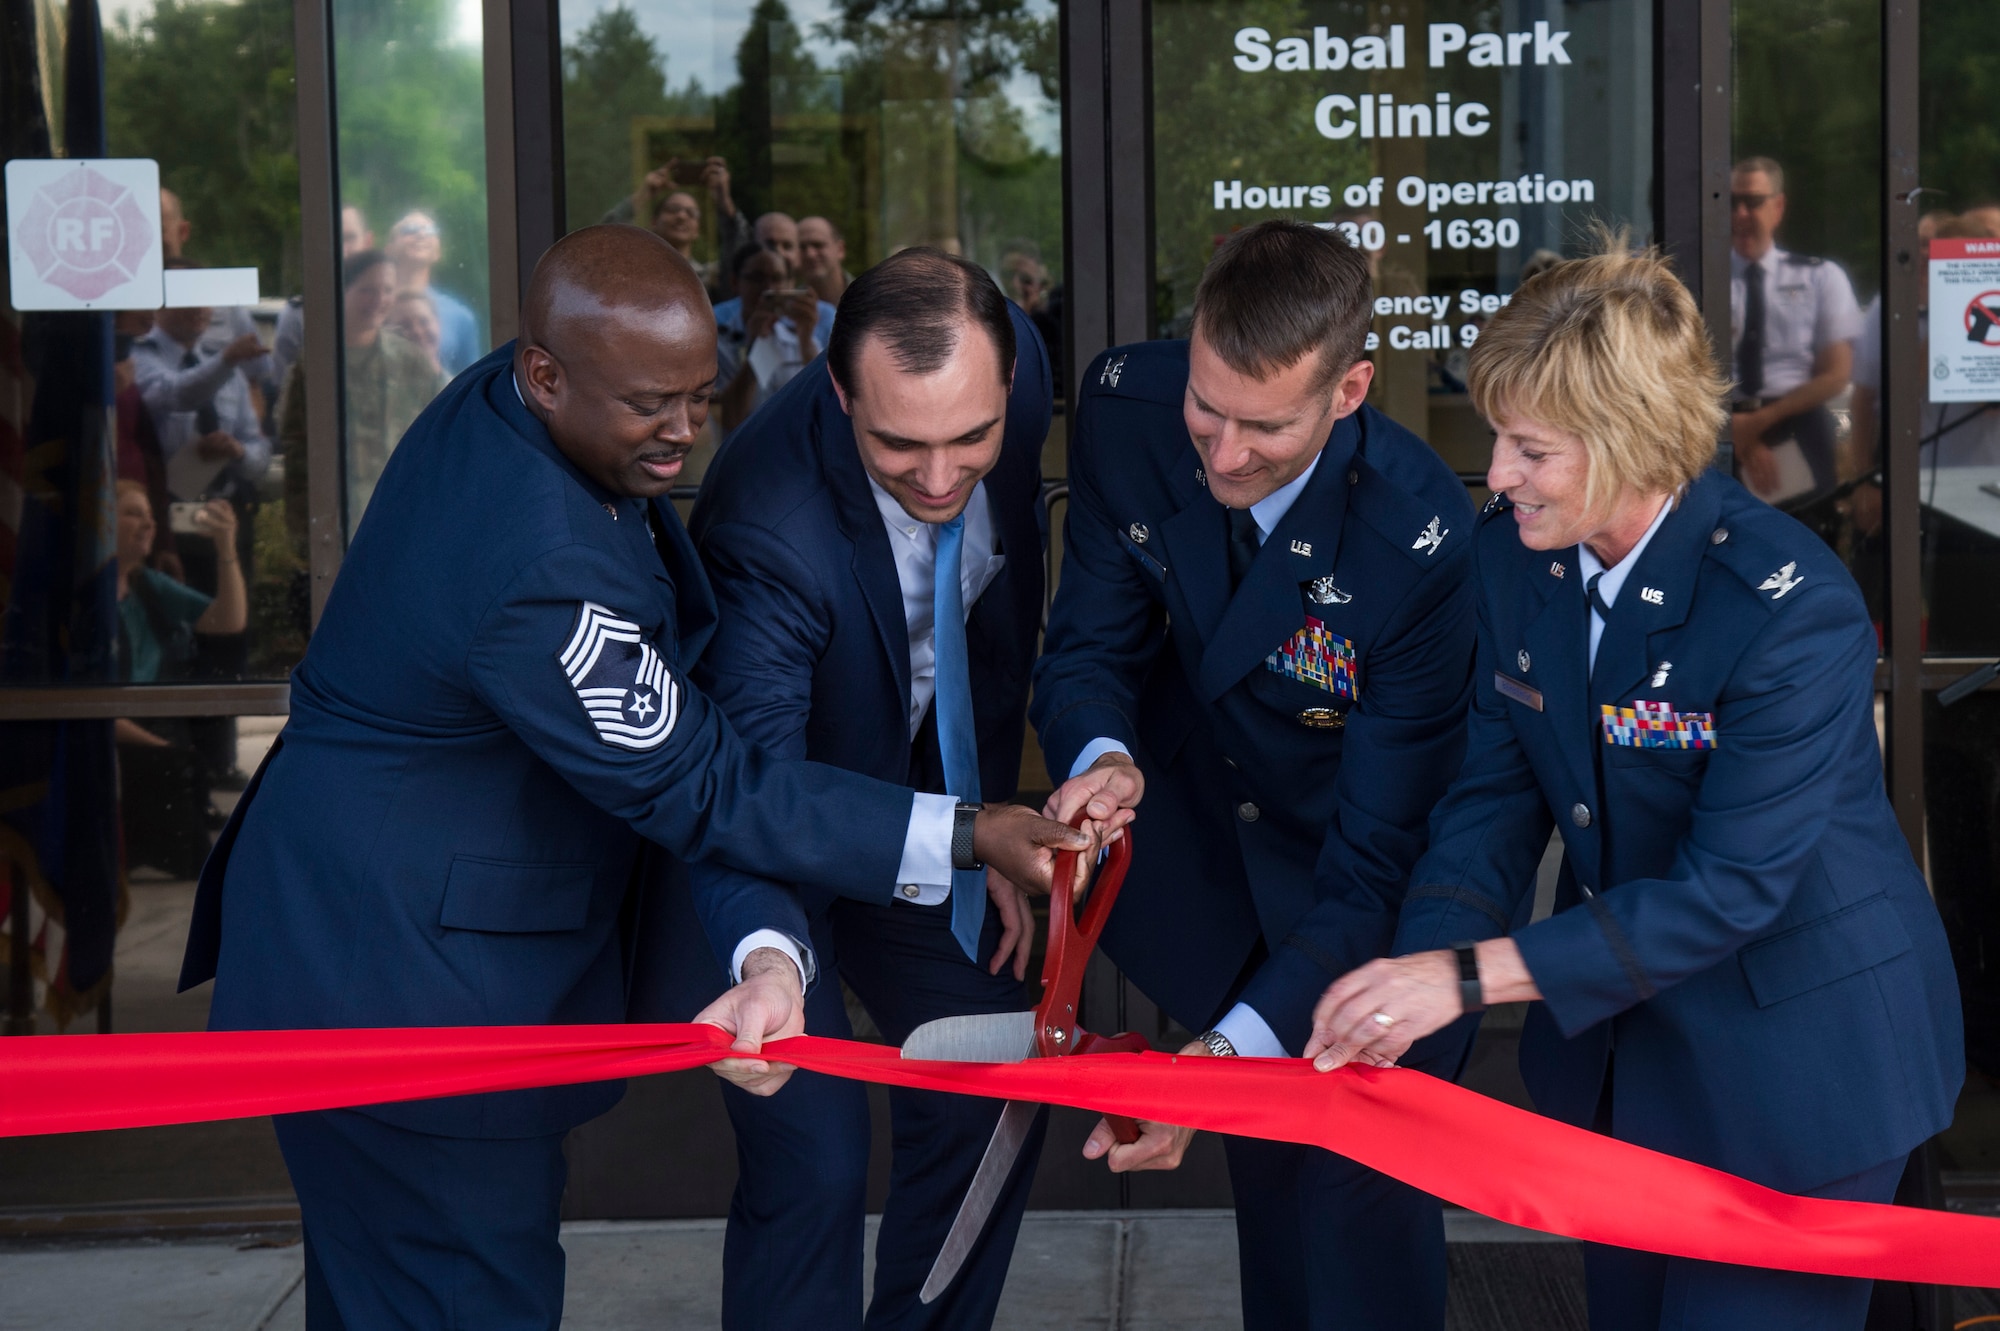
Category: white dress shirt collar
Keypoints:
(1614, 577)
(1271, 509)
(913, 545)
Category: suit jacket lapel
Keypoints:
(1267, 608)
(861, 522)
(1656, 597)
(1557, 641)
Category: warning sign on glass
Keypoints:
(1965, 321)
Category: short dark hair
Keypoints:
(916, 301)
(358, 265)
(1278, 291)
(745, 252)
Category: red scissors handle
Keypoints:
(1071, 941)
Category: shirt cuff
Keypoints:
(1094, 750)
(1249, 1034)
(801, 956)
(924, 876)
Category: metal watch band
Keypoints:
(962, 819)
(1470, 992)
(1218, 1044)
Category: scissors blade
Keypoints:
(986, 1037)
(982, 1196)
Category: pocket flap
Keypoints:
(499, 896)
(1834, 947)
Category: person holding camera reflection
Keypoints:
(764, 336)
(667, 197)
(166, 782)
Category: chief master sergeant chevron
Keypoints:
(1265, 604)
(492, 714)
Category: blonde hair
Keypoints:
(1612, 349)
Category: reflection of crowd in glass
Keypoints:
(777, 281)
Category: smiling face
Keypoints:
(928, 438)
(630, 392)
(678, 219)
(367, 303)
(821, 253)
(135, 527)
(1544, 470)
(1256, 436)
(1755, 210)
(415, 242)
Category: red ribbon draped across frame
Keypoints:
(1489, 1157)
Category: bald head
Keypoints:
(617, 355)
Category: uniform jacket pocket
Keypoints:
(498, 896)
(1845, 943)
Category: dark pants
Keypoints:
(407, 1230)
(793, 1255)
(1642, 1291)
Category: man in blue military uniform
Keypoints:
(1265, 610)
(492, 714)
(874, 536)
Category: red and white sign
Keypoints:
(1964, 327)
(84, 234)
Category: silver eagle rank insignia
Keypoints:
(1782, 581)
(1430, 538)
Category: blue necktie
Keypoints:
(956, 740)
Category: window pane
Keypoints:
(854, 131)
(409, 96)
(1462, 144)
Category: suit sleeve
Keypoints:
(772, 628)
(1405, 738)
(1104, 629)
(1794, 704)
(689, 783)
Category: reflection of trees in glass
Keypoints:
(613, 76)
(206, 90)
(903, 138)
(1960, 89)
(1808, 93)
(1212, 123)
(412, 129)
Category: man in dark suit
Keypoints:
(1265, 609)
(494, 711)
(875, 536)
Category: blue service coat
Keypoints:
(493, 711)
(1294, 735)
(811, 657)
(1740, 919)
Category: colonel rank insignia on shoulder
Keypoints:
(620, 680)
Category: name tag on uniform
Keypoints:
(1509, 687)
(1656, 725)
(1318, 657)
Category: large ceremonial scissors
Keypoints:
(1049, 1031)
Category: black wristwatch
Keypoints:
(1469, 991)
(962, 819)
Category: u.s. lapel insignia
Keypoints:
(612, 509)
(1782, 581)
(1660, 674)
(1316, 656)
(1302, 548)
(1430, 538)
(1201, 477)
(622, 682)
(1492, 502)
(1113, 368)
(1556, 568)
(1321, 591)
(1137, 531)
(1652, 596)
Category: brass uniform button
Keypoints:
(1323, 718)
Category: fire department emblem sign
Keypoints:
(84, 235)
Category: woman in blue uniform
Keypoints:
(1743, 967)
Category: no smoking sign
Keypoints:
(84, 234)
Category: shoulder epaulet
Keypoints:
(1406, 521)
(1149, 371)
(1773, 564)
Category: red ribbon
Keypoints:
(1489, 1157)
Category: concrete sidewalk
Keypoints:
(1134, 1271)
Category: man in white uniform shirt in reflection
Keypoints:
(1793, 322)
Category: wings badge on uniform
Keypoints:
(620, 680)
